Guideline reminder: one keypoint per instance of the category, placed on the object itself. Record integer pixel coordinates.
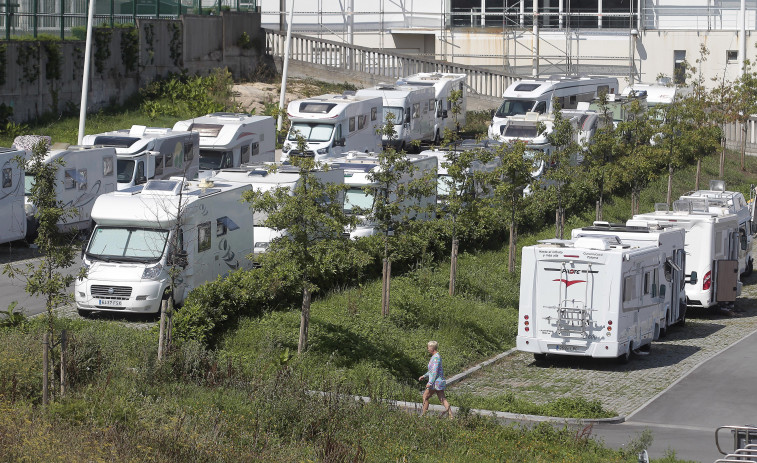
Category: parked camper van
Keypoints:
(132, 248)
(413, 110)
(608, 291)
(333, 125)
(538, 96)
(712, 249)
(12, 196)
(87, 172)
(717, 196)
(663, 92)
(358, 166)
(261, 178)
(231, 139)
(444, 84)
(144, 153)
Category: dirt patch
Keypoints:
(254, 97)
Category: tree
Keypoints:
(46, 278)
(313, 220)
(744, 103)
(562, 159)
(599, 166)
(638, 159)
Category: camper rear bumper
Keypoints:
(607, 349)
(125, 297)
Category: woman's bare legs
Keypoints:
(443, 400)
(426, 397)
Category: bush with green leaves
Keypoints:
(186, 96)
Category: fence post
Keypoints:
(133, 11)
(157, 9)
(34, 19)
(8, 19)
(112, 16)
(62, 20)
(178, 8)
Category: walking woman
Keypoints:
(435, 382)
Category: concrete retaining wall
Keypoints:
(195, 44)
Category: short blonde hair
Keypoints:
(433, 344)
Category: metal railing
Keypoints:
(67, 19)
(383, 63)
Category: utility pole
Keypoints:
(287, 46)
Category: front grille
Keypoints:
(104, 292)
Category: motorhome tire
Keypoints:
(664, 327)
(541, 357)
(32, 224)
(646, 347)
(625, 357)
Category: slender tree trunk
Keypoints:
(511, 249)
(453, 267)
(63, 347)
(162, 329)
(304, 319)
(45, 367)
(387, 277)
(743, 146)
(169, 324)
(723, 142)
(699, 174)
(670, 184)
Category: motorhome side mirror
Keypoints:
(663, 289)
(444, 113)
(743, 240)
(83, 249)
(407, 118)
(340, 142)
(179, 259)
(492, 113)
(141, 180)
(693, 278)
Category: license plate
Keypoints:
(110, 302)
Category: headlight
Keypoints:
(151, 273)
(286, 148)
(322, 151)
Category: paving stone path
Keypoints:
(620, 388)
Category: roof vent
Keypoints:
(682, 206)
(717, 185)
(661, 207)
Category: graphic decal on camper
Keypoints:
(569, 283)
(228, 257)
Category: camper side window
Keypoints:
(245, 154)
(647, 283)
(425, 107)
(374, 113)
(361, 119)
(203, 237)
(169, 160)
(629, 288)
(432, 105)
(416, 110)
(655, 282)
(352, 124)
(158, 164)
(107, 166)
(69, 181)
(189, 151)
(221, 227)
(7, 177)
(256, 147)
(82, 179)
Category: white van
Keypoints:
(232, 139)
(144, 153)
(712, 249)
(444, 83)
(12, 196)
(413, 110)
(717, 196)
(610, 290)
(262, 178)
(87, 172)
(333, 125)
(129, 254)
(357, 168)
(538, 95)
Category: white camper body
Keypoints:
(712, 249)
(619, 107)
(538, 96)
(261, 178)
(661, 93)
(145, 153)
(736, 204)
(231, 139)
(444, 83)
(358, 166)
(606, 292)
(413, 110)
(12, 196)
(129, 254)
(333, 125)
(87, 172)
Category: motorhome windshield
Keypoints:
(115, 141)
(521, 130)
(356, 198)
(398, 113)
(131, 244)
(124, 170)
(517, 107)
(311, 132)
(213, 160)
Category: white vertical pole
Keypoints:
(561, 9)
(535, 47)
(483, 13)
(599, 16)
(742, 37)
(285, 69)
(85, 78)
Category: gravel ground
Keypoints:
(620, 388)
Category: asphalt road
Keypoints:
(684, 417)
(20, 255)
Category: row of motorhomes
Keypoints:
(612, 289)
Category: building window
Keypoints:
(731, 56)
(679, 66)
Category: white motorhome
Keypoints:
(610, 290)
(333, 125)
(262, 178)
(86, 173)
(712, 248)
(144, 153)
(663, 92)
(539, 95)
(201, 228)
(444, 83)
(413, 110)
(357, 168)
(232, 139)
(12, 196)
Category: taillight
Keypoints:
(707, 281)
